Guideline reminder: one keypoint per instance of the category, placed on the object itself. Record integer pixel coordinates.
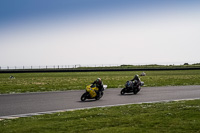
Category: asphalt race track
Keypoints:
(21, 105)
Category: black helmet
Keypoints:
(136, 77)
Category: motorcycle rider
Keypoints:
(99, 85)
(136, 80)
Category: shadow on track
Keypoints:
(90, 100)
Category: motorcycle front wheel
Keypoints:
(122, 91)
(83, 97)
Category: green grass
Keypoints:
(38, 82)
(169, 117)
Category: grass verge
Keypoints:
(170, 117)
(38, 82)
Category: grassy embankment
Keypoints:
(170, 117)
(37, 82)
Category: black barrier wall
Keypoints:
(90, 70)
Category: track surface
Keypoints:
(18, 104)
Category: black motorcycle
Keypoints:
(130, 87)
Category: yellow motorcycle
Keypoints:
(91, 93)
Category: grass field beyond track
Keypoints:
(38, 82)
(169, 117)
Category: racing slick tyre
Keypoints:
(122, 91)
(135, 91)
(83, 97)
(101, 94)
(97, 97)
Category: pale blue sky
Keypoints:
(44, 32)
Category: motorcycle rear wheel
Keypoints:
(97, 97)
(135, 91)
(101, 94)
